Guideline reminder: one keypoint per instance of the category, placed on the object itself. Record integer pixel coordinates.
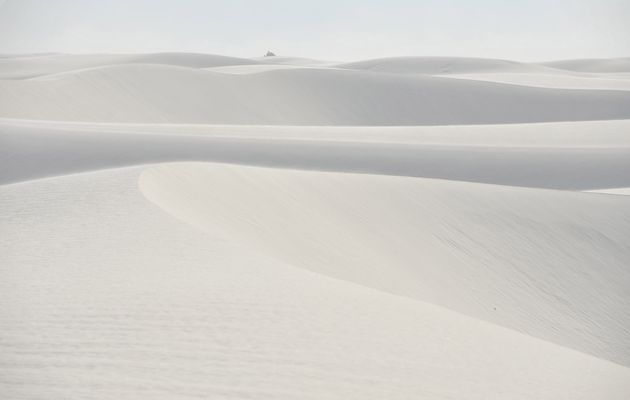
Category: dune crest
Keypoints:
(547, 263)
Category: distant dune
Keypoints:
(444, 65)
(159, 93)
(593, 65)
(24, 67)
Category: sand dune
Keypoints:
(625, 191)
(368, 230)
(572, 74)
(47, 64)
(593, 65)
(252, 69)
(599, 82)
(444, 65)
(152, 93)
(517, 257)
(576, 155)
(297, 61)
(107, 296)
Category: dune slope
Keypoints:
(27, 67)
(162, 310)
(154, 93)
(576, 155)
(593, 65)
(591, 81)
(444, 65)
(547, 263)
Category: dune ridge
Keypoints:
(159, 93)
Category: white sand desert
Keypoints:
(191, 226)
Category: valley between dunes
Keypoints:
(180, 226)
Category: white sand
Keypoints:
(106, 296)
(418, 254)
(593, 65)
(603, 82)
(625, 191)
(575, 155)
(445, 65)
(176, 94)
(468, 247)
(47, 64)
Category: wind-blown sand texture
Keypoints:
(183, 226)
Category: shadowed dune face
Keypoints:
(576, 155)
(558, 81)
(593, 65)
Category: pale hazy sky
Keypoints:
(325, 29)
